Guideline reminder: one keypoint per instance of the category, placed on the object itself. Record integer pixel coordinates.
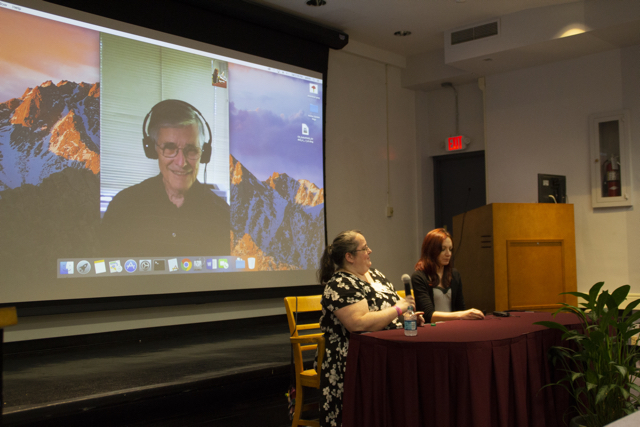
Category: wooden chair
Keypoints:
(300, 343)
(8, 317)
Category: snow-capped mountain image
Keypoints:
(51, 127)
(281, 217)
(49, 178)
(301, 192)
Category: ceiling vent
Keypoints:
(474, 33)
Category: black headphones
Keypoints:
(149, 144)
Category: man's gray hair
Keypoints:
(172, 113)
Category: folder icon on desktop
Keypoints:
(239, 263)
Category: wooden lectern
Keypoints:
(516, 256)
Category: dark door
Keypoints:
(459, 185)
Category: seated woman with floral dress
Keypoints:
(356, 298)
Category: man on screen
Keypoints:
(171, 214)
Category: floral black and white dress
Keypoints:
(344, 289)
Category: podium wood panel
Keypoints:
(516, 256)
(535, 274)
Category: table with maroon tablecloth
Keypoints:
(461, 373)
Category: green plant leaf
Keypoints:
(552, 325)
(625, 393)
(622, 369)
(630, 307)
(597, 337)
(576, 294)
(635, 316)
(607, 317)
(568, 308)
(601, 302)
(602, 393)
(628, 334)
(591, 377)
(593, 294)
(634, 386)
(590, 346)
(619, 295)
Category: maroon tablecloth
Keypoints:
(463, 373)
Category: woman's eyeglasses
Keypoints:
(366, 249)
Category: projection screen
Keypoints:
(105, 187)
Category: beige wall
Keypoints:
(356, 160)
(630, 64)
(435, 112)
(537, 122)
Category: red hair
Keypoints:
(428, 262)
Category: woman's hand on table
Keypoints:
(471, 314)
(421, 321)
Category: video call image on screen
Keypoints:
(125, 156)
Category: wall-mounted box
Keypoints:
(552, 188)
(610, 162)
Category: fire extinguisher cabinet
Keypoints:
(610, 164)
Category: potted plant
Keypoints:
(599, 361)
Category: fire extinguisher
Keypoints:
(612, 177)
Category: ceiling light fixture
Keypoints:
(572, 32)
(402, 33)
(316, 2)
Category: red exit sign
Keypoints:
(455, 143)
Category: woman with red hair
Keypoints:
(436, 284)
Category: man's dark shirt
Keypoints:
(142, 221)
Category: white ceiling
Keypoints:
(529, 32)
(373, 22)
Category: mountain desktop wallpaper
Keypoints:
(275, 141)
(50, 128)
(49, 145)
(279, 221)
(49, 99)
